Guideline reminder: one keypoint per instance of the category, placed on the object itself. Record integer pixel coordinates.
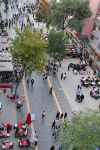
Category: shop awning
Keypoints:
(98, 56)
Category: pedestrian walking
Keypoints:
(28, 81)
(61, 116)
(52, 147)
(32, 82)
(53, 124)
(0, 106)
(36, 141)
(51, 90)
(99, 106)
(65, 116)
(43, 114)
(94, 72)
(57, 115)
(78, 90)
(11, 88)
(64, 76)
(81, 97)
(61, 76)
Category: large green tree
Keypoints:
(56, 44)
(42, 15)
(82, 133)
(29, 51)
(61, 11)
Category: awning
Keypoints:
(98, 55)
(6, 67)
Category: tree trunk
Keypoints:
(15, 93)
(19, 80)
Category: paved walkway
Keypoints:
(11, 114)
(39, 100)
(69, 87)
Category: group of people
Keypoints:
(95, 93)
(30, 81)
(79, 67)
(20, 18)
(90, 81)
(53, 67)
(57, 122)
(63, 76)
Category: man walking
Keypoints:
(64, 76)
(81, 98)
(32, 82)
(43, 114)
(61, 76)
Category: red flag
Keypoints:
(28, 120)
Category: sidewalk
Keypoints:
(69, 87)
(62, 99)
(40, 100)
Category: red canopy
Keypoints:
(19, 124)
(28, 120)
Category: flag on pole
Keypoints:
(28, 120)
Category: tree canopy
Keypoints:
(29, 50)
(56, 44)
(42, 15)
(60, 12)
(75, 24)
(83, 132)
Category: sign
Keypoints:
(33, 117)
(5, 86)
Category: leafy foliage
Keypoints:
(83, 132)
(83, 10)
(42, 15)
(75, 24)
(56, 44)
(65, 8)
(29, 49)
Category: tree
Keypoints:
(75, 24)
(82, 133)
(42, 15)
(61, 11)
(56, 44)
(29, 50)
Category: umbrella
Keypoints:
(20, 124)
(28, 120)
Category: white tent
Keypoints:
(6, 66)
(6, 62)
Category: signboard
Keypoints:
(5, 86)
(33, 117)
